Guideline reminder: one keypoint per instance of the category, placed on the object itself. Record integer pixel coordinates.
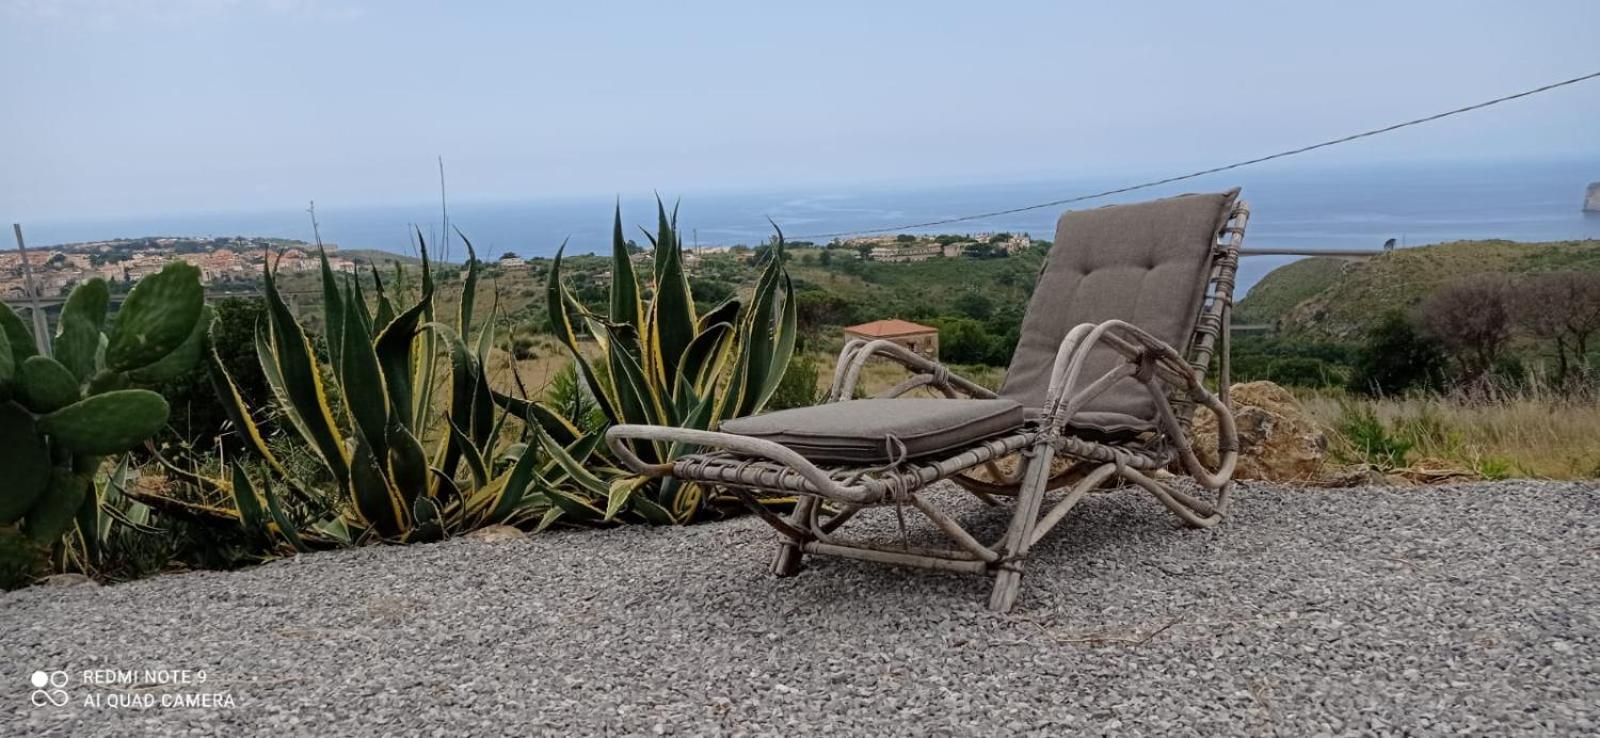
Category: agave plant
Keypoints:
(61, 415)
(383, 365)
(666, 364)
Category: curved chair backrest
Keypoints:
(1166, 266)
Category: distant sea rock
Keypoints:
(1591, 203)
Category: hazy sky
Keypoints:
(157, 106)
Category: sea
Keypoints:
(1293, 206)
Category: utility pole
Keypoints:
(41, 326)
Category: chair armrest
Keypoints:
(1160, 368)
(853, 358)
(618, 436)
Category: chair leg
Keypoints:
(1007, 583)
(786, 561)
(1008, 578)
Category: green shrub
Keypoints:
(798, 388)
(963, 341)
(1369, 441)
(1397, 358)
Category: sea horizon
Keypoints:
(1299, 207)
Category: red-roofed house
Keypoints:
(921, 339)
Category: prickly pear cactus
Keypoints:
(60, 415)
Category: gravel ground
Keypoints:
(1469, 610)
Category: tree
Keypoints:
(985, 251)
(508, 255)
(963, 341)
(1395, 358)
(817, 308)
(1562, 308)
(1472, 318)
(975, 305)
(825, 258)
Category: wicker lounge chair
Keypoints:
(1125, 319)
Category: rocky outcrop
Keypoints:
(497, 534)
(1591, 201)
(1278, 441)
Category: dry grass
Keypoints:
(1527, 437)
(880, 375)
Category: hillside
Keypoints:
(1287, 286)
(1362, 292)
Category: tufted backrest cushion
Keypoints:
(1145, 263)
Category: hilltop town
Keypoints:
(909, 247)
(57, 269)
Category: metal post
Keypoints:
(41, 326)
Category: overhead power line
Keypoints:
(1212, 170)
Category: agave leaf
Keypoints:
(377, 501)
(475, 463)
(515, 487)
(673, 315)
(574, 505)
(111, 501)
(430, 521)
(281, 521)
(395, 356)
(356, 301)
(622, 488)
(233, 406)
(560, 303)
(427, 364)
(365, 395)
(552, 421)
(783, 347)
(578, 451)
(332, 309)
(727, 312)
(469, 287)
(385, 312)
(652, 512)
(408, 463)
(471, 405)
(482, 501)
(251, 516)
(575, 469)
(550, 517)
(683, 500)
(700, 353)
(138, 524)
(299, 383)
(627, 306)
(637, 399)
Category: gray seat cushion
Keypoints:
(858, 431)
(1146, 264)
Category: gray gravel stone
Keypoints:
(1458, 610)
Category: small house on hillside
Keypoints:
(921, 339)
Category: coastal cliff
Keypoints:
(1591, 201)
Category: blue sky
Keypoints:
(139, 106)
